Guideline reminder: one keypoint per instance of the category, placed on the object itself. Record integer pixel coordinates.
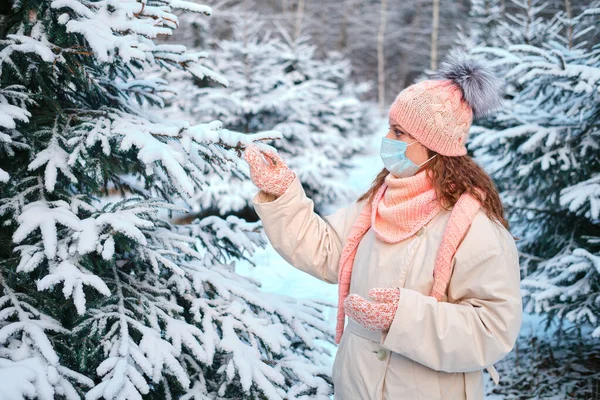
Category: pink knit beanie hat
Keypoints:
(438, 112)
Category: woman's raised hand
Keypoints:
(267, 170)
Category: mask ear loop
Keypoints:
(428, 159)
(425, 160)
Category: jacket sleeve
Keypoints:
(305, 240)
(479, 324)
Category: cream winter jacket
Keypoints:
(433, 350)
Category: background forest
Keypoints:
(132, 264)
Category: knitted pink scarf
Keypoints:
(408, 204)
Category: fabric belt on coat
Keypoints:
(355, 327)
(375, 336)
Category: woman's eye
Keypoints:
(396, 131)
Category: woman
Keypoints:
(428, 272)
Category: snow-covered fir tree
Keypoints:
(326, 124)
(499, 24)
(542, 150)
(485, 24)
(543, 154)
(277, 83)
(101, 296)
(253, 75)
(526, 24)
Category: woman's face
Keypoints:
(416, 152)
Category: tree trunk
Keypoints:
(344, 26)
(299, 17)
(381, 58)
(570, 26)
(434, 34)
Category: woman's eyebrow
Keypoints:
(396, 126)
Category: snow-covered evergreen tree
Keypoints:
(499, 24)
(250, 66)
(485, 24)
(277, 83)
(326, 123)
(101, 295)
(526, 24)
(543, 154)
(542, 149)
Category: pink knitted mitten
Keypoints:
(374, 316)
(268, 171)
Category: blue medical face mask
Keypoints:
(393, 154)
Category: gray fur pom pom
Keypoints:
(481, 89)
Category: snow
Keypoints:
(26, 44)
(27, 358)
(55, 158)
(248, 363)
(10, 113)
(191, 6)
(73, 278)
(584, 193)
(45, 216)
(16, 380)
(13, 108)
